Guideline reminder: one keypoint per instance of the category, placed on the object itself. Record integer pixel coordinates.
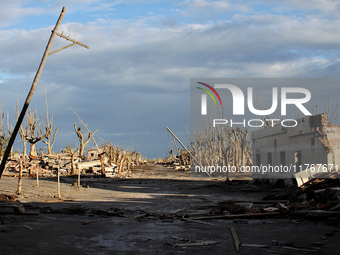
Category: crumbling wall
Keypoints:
(330, 138)
(314, 138)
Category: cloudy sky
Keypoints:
(135, 78)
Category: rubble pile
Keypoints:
(66, 164)
(316, 199)
(179, 162)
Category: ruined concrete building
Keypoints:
(94, 153)
(287, 152)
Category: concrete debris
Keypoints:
(47, 165)
(314, 173)
(317, 199)
(180, 162)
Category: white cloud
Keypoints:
(214, 5)
(10, 15)
(139, 68)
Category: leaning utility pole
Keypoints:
(34, 84)
(185, 148)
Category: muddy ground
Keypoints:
(142, 215)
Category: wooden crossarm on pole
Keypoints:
(69, 39)
(62, 48)
(72, 40)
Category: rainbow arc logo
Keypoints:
(204, 97)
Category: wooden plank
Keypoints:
(255, 245)
(236, 239)
(299, 249)
(253, 215)
(197, 243)
(200, 222)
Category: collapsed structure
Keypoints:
(310, 149)
(114, 162)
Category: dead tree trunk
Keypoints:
(82, 143)
(116, 156)
(23, 131)
(49, 141)
(121, 166)
(111, 154)
(79, 170)
(72, 154)
(73, 169)
(37, 173)
(59, 196)
(2, 132)
(138, 158)
(101, 157)
(34, 134)
(20, 177)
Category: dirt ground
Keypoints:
(143, 215)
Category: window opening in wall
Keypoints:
(283, 158)
(269, 158)
(258, 159)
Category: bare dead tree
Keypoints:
(35, 134)
(2, 131)
(220, 145)
(113, 152)
(138, 158)
(23, 131)
(121, 165)
(82, 143)
(20, 177)
(102, 165)
(5, 133)
(79, 172)
(9, 130)
(49, 139)
(72, 154)
(109, 149)
(116, 156)
(58, 177)
(331, 116)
